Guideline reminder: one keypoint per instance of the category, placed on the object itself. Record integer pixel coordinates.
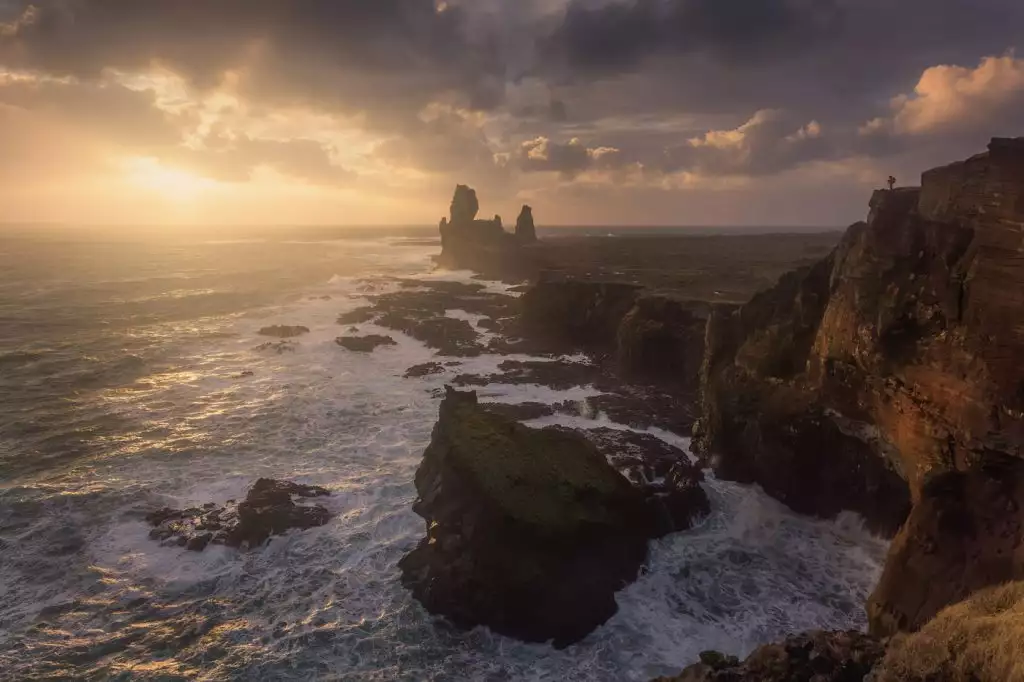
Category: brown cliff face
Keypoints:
(895, 360)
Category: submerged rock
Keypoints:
(268, 509)
(364, 344)
(283, 331)
(529, 531)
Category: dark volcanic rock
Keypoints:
(267, 510)
(529, 532)
(358, 316)
(283, 331)
(669, 481)
(661, 339)
(526, 232)
(424, 369)
(889, 373)
(577, 313)
(810, 657)
(520, 411)
(364, 344)
(450, 336)
(481, 245)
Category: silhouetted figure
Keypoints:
(892, 182)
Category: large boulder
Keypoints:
(529, 531)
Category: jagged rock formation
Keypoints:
(651, 336)
(268, 509)
(530, 532)
(526, 232)
(889, 374)
(481, 245)
(810, 657)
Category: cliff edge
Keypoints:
(886, 378)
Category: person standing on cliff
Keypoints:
(892, 182)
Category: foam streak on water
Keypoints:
(83, 591)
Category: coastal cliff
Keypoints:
(887, 378)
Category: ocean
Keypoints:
(131, 379)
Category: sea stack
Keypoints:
(529, 531)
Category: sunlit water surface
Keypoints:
(122, 390)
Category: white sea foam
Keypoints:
(327, 603)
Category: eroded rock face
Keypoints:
(964, 534)
(529, 531)
(526, 232)
(810, 657)
(889, 375)
(268, 509)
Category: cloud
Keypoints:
(235, 160)
(569, 159)
(950, 99)
(115, 113)
(619, 35)
(770, 142)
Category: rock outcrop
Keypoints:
(481, 245)
(283, 331)
(529, 531)
(526, 232)
(888, 375)
(810, 657)
(268, 509)
(651, 336)
(364, 344)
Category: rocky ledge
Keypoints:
(530, 531)
(268, 509)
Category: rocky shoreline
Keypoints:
(881, 379)
(878, 376)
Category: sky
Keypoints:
(595, 112)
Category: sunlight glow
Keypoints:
(174, 184)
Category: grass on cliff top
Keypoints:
(549, 479)
(981, 638)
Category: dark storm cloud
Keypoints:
(348, 53)
(617, 35)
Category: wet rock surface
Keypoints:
(364, 344)
(810, 657)
(278, 347)
(268, 509)
(529, 531)
(424, 369)
(283, 331)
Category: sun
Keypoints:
(172, 183)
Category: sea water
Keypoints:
(130, 379)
